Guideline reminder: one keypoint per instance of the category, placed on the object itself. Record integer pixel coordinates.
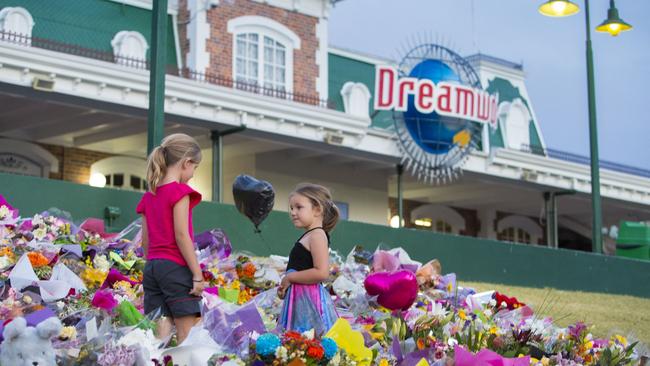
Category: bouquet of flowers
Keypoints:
(292, 348)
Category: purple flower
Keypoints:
(575, 331)
(104, 299)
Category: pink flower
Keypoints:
(104, 299)
(115, 276)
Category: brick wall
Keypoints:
(74, 164)
(220, 44)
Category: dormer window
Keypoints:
(129, 47)
(16, 24)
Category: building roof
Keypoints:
(90, 24)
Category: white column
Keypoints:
(321, 53)
(198, 32)
(487, 219)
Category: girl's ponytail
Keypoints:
(156, 167)
(330, 215)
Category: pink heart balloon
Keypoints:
(395, 290)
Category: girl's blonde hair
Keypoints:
(172, 149)
(320, 196)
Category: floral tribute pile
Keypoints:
(91, 280)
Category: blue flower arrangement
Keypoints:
(266, 344)
(330, 347)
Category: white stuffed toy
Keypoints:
(29, 346)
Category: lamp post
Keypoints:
(613, 25)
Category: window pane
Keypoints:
(279, 57)
(252, 70)
(268, 41)
(108, 179)
(118, 180)
(268, 73)
(136, 182)
(241, 67)
(268, 55)
(241, 48)
(279, 76)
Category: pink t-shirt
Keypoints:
(158, 210)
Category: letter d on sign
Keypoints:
(385, 79)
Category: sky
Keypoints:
(552, 51)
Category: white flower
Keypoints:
(493, 302)
(438, 310)
(4, 212)
(40, 233)
(5, 261)
(309, 334)
(281, 353)
(452, 342)
(37, 220)
(60, 305)
(487, 312)
(101, 263)
(141, 338)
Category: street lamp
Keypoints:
(613, 25)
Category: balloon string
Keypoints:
(259, 232)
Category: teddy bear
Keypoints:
(29, 346)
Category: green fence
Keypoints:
(471, 259)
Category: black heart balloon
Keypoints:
(254, 198)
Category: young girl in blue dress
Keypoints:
(307, 305)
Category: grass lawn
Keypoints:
(625, 315)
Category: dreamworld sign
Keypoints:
(428, 97)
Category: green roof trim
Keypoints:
(90, 23)
(343, 69)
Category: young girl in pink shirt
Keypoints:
(173, 281)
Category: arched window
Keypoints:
(515, 119)
(129, 46)
(356, 99)
(263, 52)
(516, 235)
(442, 226)
(121, 172)
(16, 21)
(439, 218)
(24, 158)
(519, 229)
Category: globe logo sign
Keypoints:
(432, 132)
(439, 109)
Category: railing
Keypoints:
(579, 159)
(22, 39)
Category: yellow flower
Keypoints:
(462, 315)
(545, 361)
(622, 340)
(93, 277)
(493, 329)
(68, 333)
(383, 362)
(235, 285)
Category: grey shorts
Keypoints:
(167, 286)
